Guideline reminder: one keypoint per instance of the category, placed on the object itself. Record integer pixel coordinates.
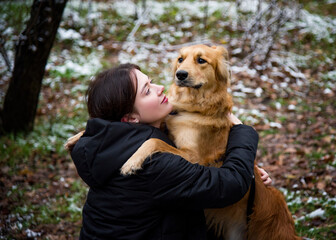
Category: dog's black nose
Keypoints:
(181, 75)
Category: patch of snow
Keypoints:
(125, 8)
(312, 199)
(83, 66)
(317, 213)
(251, 120)
(275, 125)
(245, 68)
(320, 26)
(295, 201)
(291, 107)
(236, 51)
(74, 208)
(284, 85)
(327, 91)
(258, 92)
(239, 94)
(68, 34)
(32, 234)
(330, 76)
(275, 87)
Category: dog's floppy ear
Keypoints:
(222, 66)
(222, 51)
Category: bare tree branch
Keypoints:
(4, 53)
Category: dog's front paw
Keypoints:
(130, 167)
(134, 163)
(70, 143)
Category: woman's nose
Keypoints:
(160, 89)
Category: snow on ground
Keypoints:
(319, 26)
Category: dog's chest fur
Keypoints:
(205, 144)
(201, 126)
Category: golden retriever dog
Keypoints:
(200, 131)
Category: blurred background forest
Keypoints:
(282, 56)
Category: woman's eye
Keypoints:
(201, 60)
(147, 91)
(180, 60)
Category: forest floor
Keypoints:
(288, 97)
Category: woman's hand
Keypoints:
(264, 176)
(234, 119)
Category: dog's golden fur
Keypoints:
(200, 131)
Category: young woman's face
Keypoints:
(151, 104)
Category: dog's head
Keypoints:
(200, 66)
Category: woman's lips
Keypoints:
(165, 99)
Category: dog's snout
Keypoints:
(181, 75)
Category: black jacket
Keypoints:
(166, 199)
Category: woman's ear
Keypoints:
(132, 118)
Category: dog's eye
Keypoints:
(201, 60)
(180, 60)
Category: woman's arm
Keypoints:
(263, 174)
(176, 181)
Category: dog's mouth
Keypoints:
(186, 83)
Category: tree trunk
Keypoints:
(32, 52)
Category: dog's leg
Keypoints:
(271, 218)
(147, 149)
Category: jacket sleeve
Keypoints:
(176, 181)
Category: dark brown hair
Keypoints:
(112, 93)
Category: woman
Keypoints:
(164, 200)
